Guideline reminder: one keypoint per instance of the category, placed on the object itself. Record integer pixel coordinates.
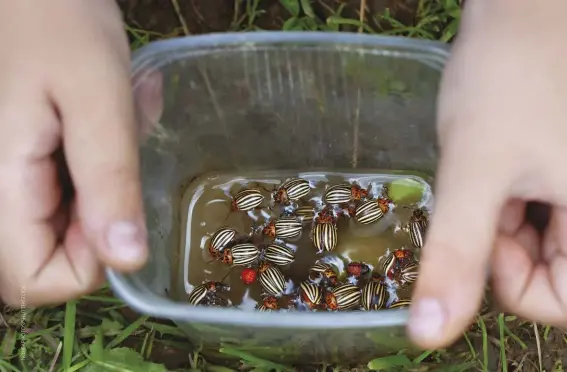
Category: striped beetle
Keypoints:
(311, 294)
(389, 265)
(408, 273)
(220, 239)
(241, 254)
(400, 304)
(344, 193)
(283, 228)
(371, 211)
(263, 308)
(305, 213)
(417, 227)
(247, 199)
(325, 237)
(271, 279)
(323, 271)
(373, 296)
(279, 254)
(343, 297)
(205, 293)
(292, 190)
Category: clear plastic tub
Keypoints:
(274, 101)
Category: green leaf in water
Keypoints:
(387, 362)
(406, 190)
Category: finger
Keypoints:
(524, 286)
(100, 141)
(35, 268)
(453, 267)
(512, 216)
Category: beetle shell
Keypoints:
(373, 296)
(305, 213)
(357, 269)
(343, 297)
(325, 237)
(400, 304)
(389, 264)
(338, 194)
(368, 212)
(284, 228)
(220, 239)
(247, 199)
(263, 308)
(279, 254)
(310, 294)
(417, 227)
(409, 273)
(241, 254)
(291, 190)
(272, 279)
(318, 269)
(198, 294)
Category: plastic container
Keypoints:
(274, 100)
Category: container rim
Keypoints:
(134, 293)
(144, 57)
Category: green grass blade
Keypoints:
(127, 332)
(388, 362)
(484, 344)
(69, 333)
(503, 359)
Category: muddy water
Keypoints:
(206, 206)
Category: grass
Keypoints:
(99, 333)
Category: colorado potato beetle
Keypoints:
(417, 227)
(292, 190)
(389, 265)
(270, 302)
(368, 212)
(279, 254)
(305, 213)
(327, 215)
(408, 273)
(373, 296)
(271, 279)
(247, 199)
(263, 308)
(343, 297)
(357, 269)
(400, 304)
(403, 257)
(220, 239)
(325, 237)
(311, 294)
(323, 271)
(283, 228)
(241, 254)
(204, 293)
(344, 193)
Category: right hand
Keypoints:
(502, 128)
(65, 85)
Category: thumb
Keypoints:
(101, 149)
(470, 193)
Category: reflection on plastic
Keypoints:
(149, 101)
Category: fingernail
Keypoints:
(427, 320)
(126, 241)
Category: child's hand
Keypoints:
(503, 132)
(65, 81)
